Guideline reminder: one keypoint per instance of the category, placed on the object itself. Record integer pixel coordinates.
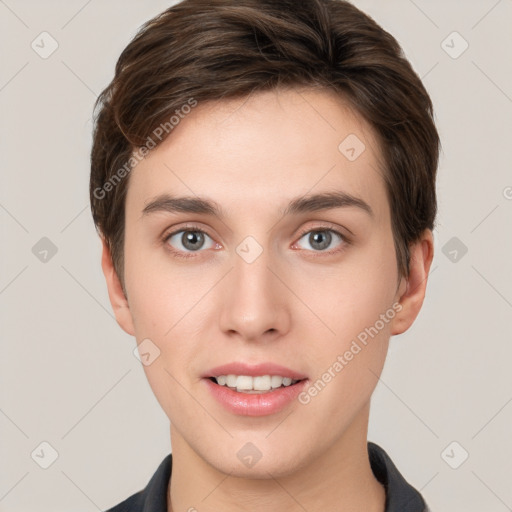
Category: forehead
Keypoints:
(257, 151)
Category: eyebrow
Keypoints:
(326, 201)
(185, 204)
(303, 204)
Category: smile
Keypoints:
(254, 385)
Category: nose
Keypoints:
(255, 303)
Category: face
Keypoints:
(253, 276)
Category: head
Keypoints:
(213, 107)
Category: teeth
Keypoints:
(247, 384)
(276, 381)
(263, 383)
(230, 380)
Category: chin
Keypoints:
(256, 460)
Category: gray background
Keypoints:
(68, 376)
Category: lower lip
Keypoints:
(262, 404)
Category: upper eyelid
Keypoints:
(345, 240)
(322, 228)
(192, 227)
(302, 233)
(169, 234)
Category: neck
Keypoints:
(341, 478)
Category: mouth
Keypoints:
(254, 390)
(255, 395)
(254, 385)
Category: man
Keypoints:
(263, 180)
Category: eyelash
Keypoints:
(179, 254)
(344, 239)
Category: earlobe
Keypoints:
(411, 298)
(116, 294)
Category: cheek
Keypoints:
(349, 362)
(352, 295)
(160, 292)
(169, 304)
(356, 303)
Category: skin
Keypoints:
(295, 305)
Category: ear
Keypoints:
(412, 289)
(115, 292)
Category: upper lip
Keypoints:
(254, 370)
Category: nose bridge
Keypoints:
(254, 302)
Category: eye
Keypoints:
(321, 239)
(189, 240)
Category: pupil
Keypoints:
(192, 240)
(316, 238)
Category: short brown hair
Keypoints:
(215, 49)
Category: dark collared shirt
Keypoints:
(400, 496)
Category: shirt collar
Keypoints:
(400, 495)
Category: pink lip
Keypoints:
(254, 370)
(263, 404)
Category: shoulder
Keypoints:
(400, 495)
(153, 498)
